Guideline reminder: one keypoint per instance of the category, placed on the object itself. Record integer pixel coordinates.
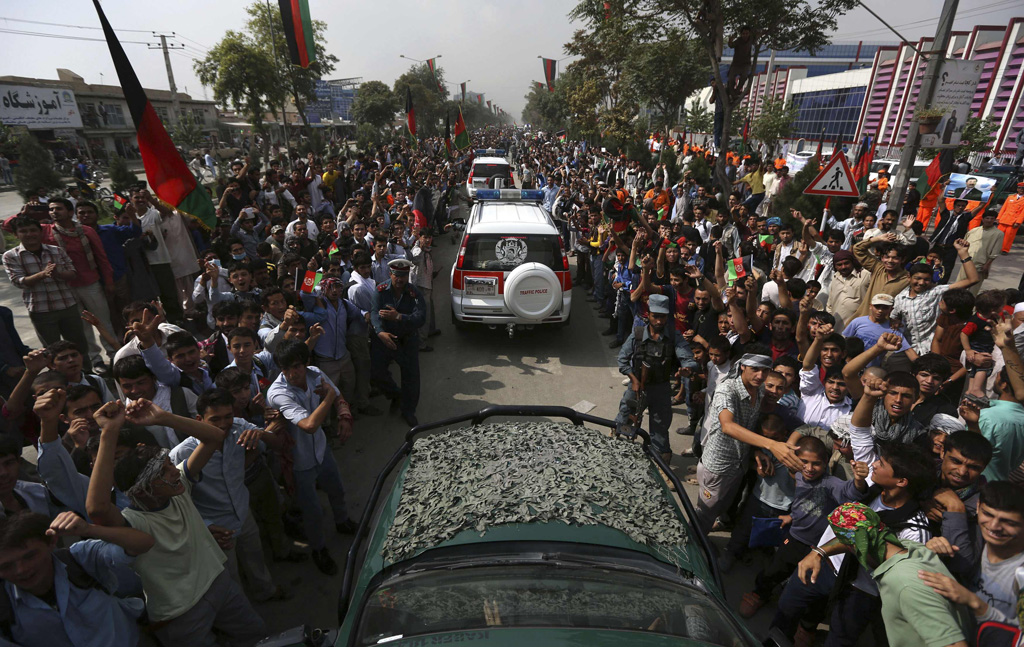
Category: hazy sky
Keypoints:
(493, 43)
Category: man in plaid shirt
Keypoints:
(41, 271)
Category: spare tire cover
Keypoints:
(533, 291)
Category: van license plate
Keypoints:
(482, 287)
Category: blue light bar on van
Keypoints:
(507, 195)
(491, 152)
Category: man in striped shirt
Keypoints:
(41, 272)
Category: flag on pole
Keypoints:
(311, 280)
(489, 106)
(930, 185)
(463, 85)
(433, 71)
(166, 171)
(461, 136)
(550, 70)
(480, 99)
(817, 153)
(862, 167)
(746, 133)
(447, 134)
(410, 116)
(298, 31)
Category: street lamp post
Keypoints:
(424, 61)
(458, 87)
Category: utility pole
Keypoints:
(175, 108)
(910, 147)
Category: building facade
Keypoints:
(101, 125)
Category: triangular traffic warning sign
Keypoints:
(835, 180)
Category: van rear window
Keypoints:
(505, 252)
(490, 170)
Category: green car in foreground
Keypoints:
(530, 533)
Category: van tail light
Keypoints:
(470, 178)
(565, 257)
(462, 252)
(457, 280)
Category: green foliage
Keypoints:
(120, 176)
(8, 141)
(699, 118)
(792, 195)
(977, 137)
(547, 110)
(664, 73)
(35, 168)
(367, 136)
(188, 133)
(375, 105)
(775, 121)
(698, 167)
(314, 142)
(243, 76)
(267, 33)
(426, 100)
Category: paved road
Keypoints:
(468, 371)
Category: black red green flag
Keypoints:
(298, 31)
(461, 136)
(480, 99)
(550, 70)
(410, 116)
(862, 167)
(433, 71)
(166, 171)
(463, 92)
(489, 109)
(941, 165)
(746, 133)
(447, 135)
(820, 142)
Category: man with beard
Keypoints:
(887, 274)
(849, 285)
(649, 358)
(733, 414)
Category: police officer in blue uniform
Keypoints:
(649, 357)
(397, 314)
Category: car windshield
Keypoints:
(539, 596)
(481, 171)
(503, 253)
(878, 166)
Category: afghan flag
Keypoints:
(433, 70)
(461, 136)
(463, 85)
(333, 249)
(447, 135)
(930, 185)
(166, 171)
(862, 167)
(311, 280)
(746, 134)
(738, 268)
(298, 31)
(489, 109)
(480, 99)
(410, 117)
(821, 141)
(550, 70)
(540, 86)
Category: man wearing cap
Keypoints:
(734, 412)
(397, 314)
(649, 358)
(851, 225)
(871, 326)
(246, 229)
(1011, 216)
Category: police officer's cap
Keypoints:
(658, 304)
(400, 266)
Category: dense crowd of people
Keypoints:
(853, 398)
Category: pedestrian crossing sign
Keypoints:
(835, 180)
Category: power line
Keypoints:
(994, 7)
(56, 24)
(201, 46)
(65, 37)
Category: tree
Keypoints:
(244, 77)
(547, 110)
(375, 105)
(663, 74)
(775, 121)
(429, 103)
(35, 168)
(267, 33)
(188, 133)
(120, 177)
(976, 137)
(774, 24)
(792, 195)
(698, 118)
(8, 141)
